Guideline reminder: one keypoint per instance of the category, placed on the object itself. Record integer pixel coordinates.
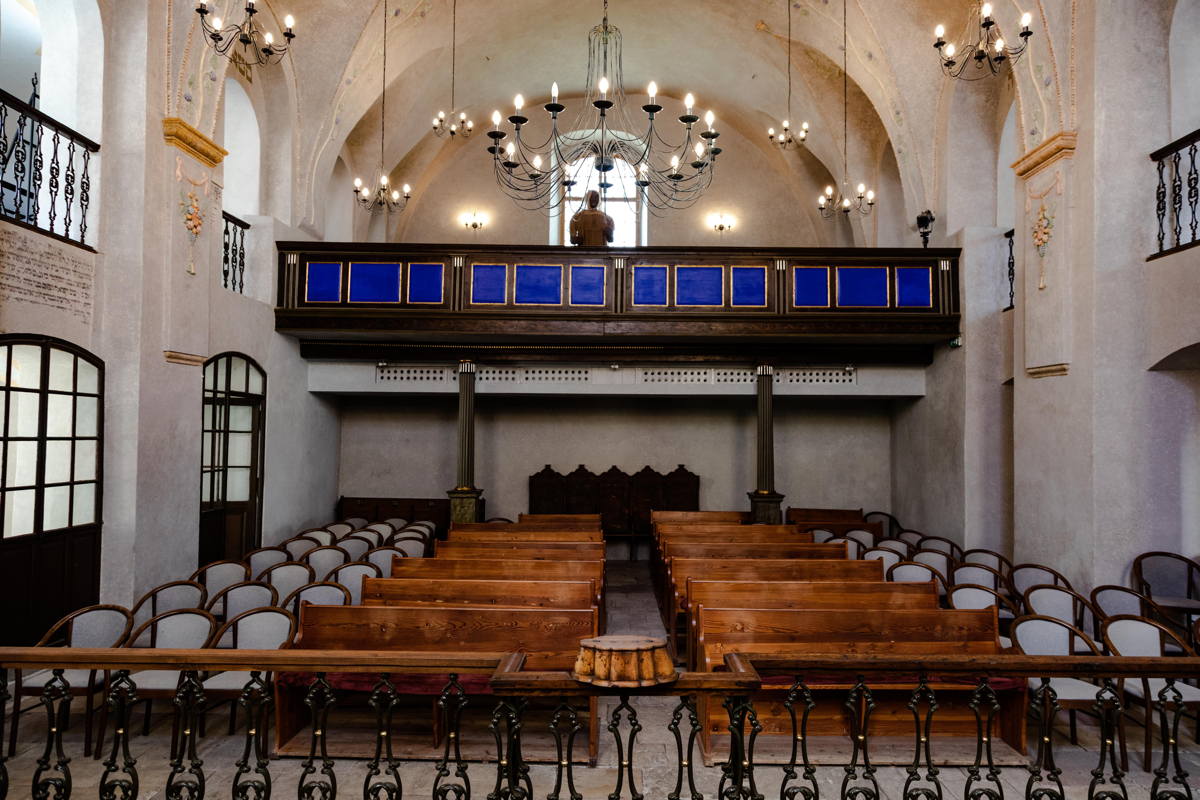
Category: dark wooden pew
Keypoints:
(735, 536)
(674, 549)
(547, 535)
(719, 530)
(582, 519)
(736, 517)
(838, 632)
(566, 525)
(441, 591)
(536, 551)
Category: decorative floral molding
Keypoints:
(193, 212)
(1060, 145)
(180, 134)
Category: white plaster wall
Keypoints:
(20, 47)
(1185, 68)
(829, 453)
(241, 166)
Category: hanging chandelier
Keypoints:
(784, 138)
(462, 127)
(832, 201)
(383, 197)
(985, 48)
(667, 176)
(258, 47)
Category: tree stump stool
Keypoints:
(624, 662)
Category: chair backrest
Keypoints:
(891, 525)
(351, 576)
(820, 535)
(257, 629)
(357, 522)
(942, 545)
(912, 537)
(896, 545)
(321, 593)
(989, 558)
(941, 561)
(969, 595)
(1024, 576)
(319, 535)
(371, 535)
(1163, 574)
(888, 557)
(181, 629)
(1127, 635)
(356, 546)
(339, 529)
(168, 597)
(1111, 600)
(423, 525)
(288, 576)
(409, 545)
(382, 558)
(240, 598)
(101, 625)
(916, 572)
(1061, 603)
(853, 548)
(383, 528)
(216, 576)
(323, 559)
(396, 522)
(298, 546)
(864, 538)
(265, 557)
(1038, 635)
(977, 574)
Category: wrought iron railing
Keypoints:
(233, 253)
(1177, 197)
(1012, 272)
(45, 171)
(811, 689)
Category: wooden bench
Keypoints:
(548, 636)
(674, 549)
(838, 632)
(734, 536)
(440, 591)
(542, 525)
(720, 529)
(536, 551)
(806, 515)
(547, 535)
(736, 517)
(582, 519)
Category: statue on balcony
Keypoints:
(591, 227)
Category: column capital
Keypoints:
(764, 369)
(466, 366)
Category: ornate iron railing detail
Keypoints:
(918, 786)
(186, 780)
(512, 775)
(985, 705)
(451, 703)
(1012, 272)
(254, 782)
(685, 754)
(859, 705)
(1177, 195)
(1107, 778)
(799, 693)
(565, 725)
(52, 780)
(47, 192)
(320, 700)
(624, 748)
(233, 253)
(120, 779)
(1044, 782)
(383, 700)
(737, 773)
(1170, 778)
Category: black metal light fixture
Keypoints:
(258, 47)
(384, 197)
(668, 176)
(841, 199)
(984, 48)
(784, 138)
(925, 222)
(462, 127)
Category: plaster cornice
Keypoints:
(186, 359)
(1060, 145)
(179, 133)
(1047, 371)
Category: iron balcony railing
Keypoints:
(1177, 196)
(45, 172)
(807, 689)
(233, 253)
(1012, 271)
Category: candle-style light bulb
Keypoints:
(470, 125)
(383, 180)
(496, 120)
(674, 162)
(395, 195)
(441, 115)
(453, 128)
(217, 23)
(358, 183)
(1026, 19)
(709, 119)
(870, 197)
(939, 31)
(365, 192)
(603, 87)
(554, 92)
(985, 10)
(862, 187)
(820, 201)
(771, 132)
(510, 150)
(537, 162)
(699, 150)
(269, 38)
(782, 138)
(950, 50)
(846, 204)
(289, 22)
(462, 116)
(829, 191)
(642, 168)
(407, 189)
(999, 45)
(652, 90)
(518, 102)
(688, 102)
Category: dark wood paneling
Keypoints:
(44, 577)
(614, 502)
(582, 492)
(547, 492)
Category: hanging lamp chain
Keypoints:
(789, 59)
(453, 49)
(383, 101)
(845, 98)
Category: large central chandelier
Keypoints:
(982, 46)
(539, 175)
(383, 197)
(841, 199)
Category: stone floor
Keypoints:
(631, 610)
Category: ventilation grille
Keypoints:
(557, 375)
(666, 375)
(416, 374)
(734, 376)
(498, 374)
(842, 376)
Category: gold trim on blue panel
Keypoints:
(408, 284)
(603, 286)
(896, 281)
(766, 284)
(561, 283)
(720, 267)
(792, 287)
(887, 285)
(666, 268)
(471, 283)
(399, 279)
(341, 270)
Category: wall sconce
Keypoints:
(474, 220)
(925, 222)
(721, 222)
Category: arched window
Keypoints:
(243, 143)
(622, 201)
(232, 458)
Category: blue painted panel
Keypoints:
(425, 283)
(649, 286)
(488, 283)
(862, 287)
(323, 283)
(587, 286)
(749, 286)
(538, 284)
(811, 287)
(374, 283)
(914, 287)
(699, 286)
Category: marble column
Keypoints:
(764, 500)
(465, 499)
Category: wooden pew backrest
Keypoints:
(749, 550)
(697, 528)
(736, 517)
(772, 569)
(810, 594)
(565, 525)
(535, 551)
(548, 535)
(531, 593)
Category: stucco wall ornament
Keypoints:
(1043, 230)
(192, 209)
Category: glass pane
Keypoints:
(256, 381)
(624, 215)
(205, 487)
(240, 418)
(222, 368)
(85, 409)
(62, 371)
(85, 504)
(210, 372)
(23, 414)
(208, 416)
(206, 456)
(59, 413)
(239, 449)
(27, 366)
(4, 365)
(20, 464)
(18, 512)
(237, 375)
(238, 487)
(89, 378)
(56, 508)
(58, 462)
(85, 460)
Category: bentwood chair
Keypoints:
(298, 546)
(256, 629)
(820, 535)
(319, 535)
(288, 576)
(1172, 581)
(240, 598)
(942, 545)
(916, 572)
(1111, 600)
(912, 537)
(396, 522)
(1024, 576)
(216, 576)
(382, 558)
(1063, 604)
(974, 596)
(168, 597)
(1046, 636)
(371, 535)
(888, 557)
(265, 557)
(980, 575)
(357, 522)
(339, 529)
(351, 576)
(323, 559)
(942, 562)
(989, 558)
(903, 548)
(94, 626)
(1127, 635)
(891, 525)
(320, 593)
(411, 546)
(385, 530)
(356, 546)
